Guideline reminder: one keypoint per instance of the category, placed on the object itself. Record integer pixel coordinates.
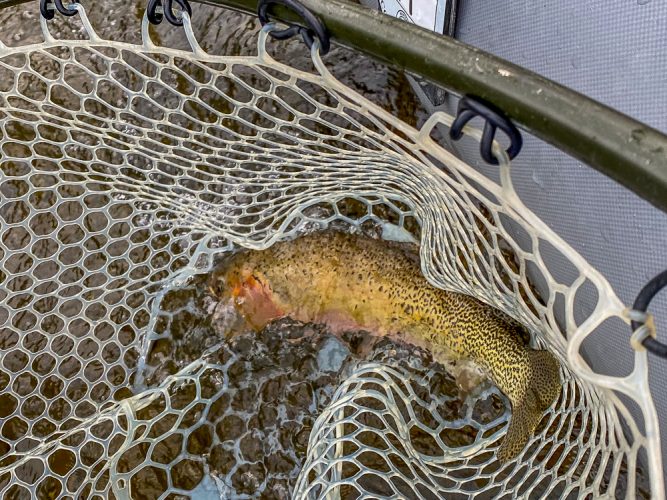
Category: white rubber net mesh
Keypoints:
(126, 171)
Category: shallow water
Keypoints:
(279, 381)
(220, 31)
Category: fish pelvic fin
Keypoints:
(543, 389)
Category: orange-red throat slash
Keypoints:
(256, 302)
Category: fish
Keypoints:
(353, 282)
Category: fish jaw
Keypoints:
(256, 302)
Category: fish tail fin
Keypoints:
(518, 432)
(543, 389)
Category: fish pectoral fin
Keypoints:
(469, 377)
(257, 303)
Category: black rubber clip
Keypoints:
(642, 302)
(470, 107)
(314, 27)
(49, 14)
(155, 17)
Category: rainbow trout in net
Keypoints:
(353, 282)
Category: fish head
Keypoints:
(242, 282)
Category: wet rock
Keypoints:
(248, 478)
(251, 446)
(267, 417)
(222, 460)
(276, 489)
(332, 355)
(245, 400)
(271, 389)
(280, 463)
(230, 428)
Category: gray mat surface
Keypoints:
(612, 51)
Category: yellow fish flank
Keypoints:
(354, 282)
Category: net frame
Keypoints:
(458, 181)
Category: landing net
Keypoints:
(128, 170)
